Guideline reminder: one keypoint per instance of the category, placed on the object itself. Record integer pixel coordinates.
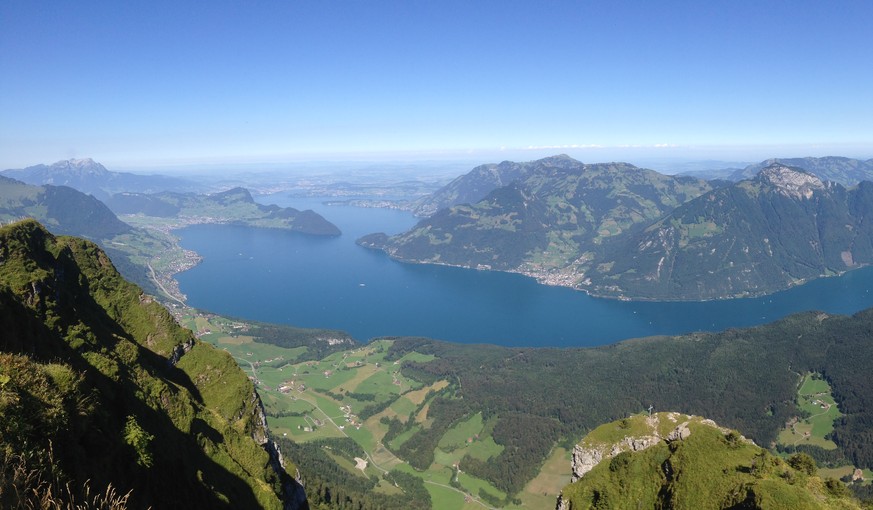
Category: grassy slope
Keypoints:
(88, 392)
(709, 469)
(234, 206)
(815, 400)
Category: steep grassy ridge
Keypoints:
(96, 389)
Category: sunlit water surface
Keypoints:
(309, 281)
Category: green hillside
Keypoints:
(234, 206)
(782, 228)
(670, 460)
(66, 211)
(62, 209)
(106, 401)
(615, 230)
(548, 223)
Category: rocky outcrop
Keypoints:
(671, 460)
(179, 351)
(293, 493)
(586, 457)
(791, 182)
(589, 453)
(846, 171)
(633, 434)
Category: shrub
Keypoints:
(139, 440)
(803, 463)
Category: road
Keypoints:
(163, 289)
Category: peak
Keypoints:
(660, 425)
(232, 194)
(28, 232)
(78, 167)
(790, 181)
(633, 464)
(77, 163)
(562, 158)
(636, 433)
(26, 225)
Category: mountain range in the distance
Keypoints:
(610, 229)
(89, 176)
(617, 230)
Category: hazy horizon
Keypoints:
(175, 84)
(447, 165)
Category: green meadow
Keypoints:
(354, 394)
(820, 410)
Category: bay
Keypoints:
(308, 281)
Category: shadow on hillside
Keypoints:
(92, 446)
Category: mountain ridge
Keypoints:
(758, 236)
(556, 216)
(846, 171)
(101, 388)
(617, 235)
(93, 178)
(65, 209)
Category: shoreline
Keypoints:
(543, 280)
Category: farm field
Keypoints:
(813, 398)
(373, 429)
(355, 394)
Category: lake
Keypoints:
(308, 281)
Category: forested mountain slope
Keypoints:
(615, 230)
(65, 210)
(105, 398)
(474, 186)
(547, 223)
(780, 229)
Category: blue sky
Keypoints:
(150, 83)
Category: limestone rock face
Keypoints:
(679, 433)
(588, 454)
(672, 460)
(791, 182)
(632, 434)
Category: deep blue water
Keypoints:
(308, 281)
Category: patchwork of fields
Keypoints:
(356, 394)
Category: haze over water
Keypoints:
(308, 281)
